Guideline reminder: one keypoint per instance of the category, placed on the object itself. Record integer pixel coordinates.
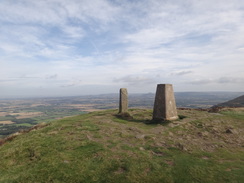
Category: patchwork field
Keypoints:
(6, 122)
(16, 115)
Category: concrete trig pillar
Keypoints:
(123, 100)
(164, 104)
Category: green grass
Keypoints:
(24, 124)
(234, 114)
(7, 118)
(100, 147)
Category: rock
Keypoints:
(232, 131)
(203, 134)
(141, 148)
(171, 134)
(140, 136)
(66, 161)
(181, 147)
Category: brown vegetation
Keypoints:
(6, 122)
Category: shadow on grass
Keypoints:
(127, 117)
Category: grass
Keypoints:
(24, 124)
(234, 114)
(101, 147)
(7, 118)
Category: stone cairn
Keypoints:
(164, 104)
(123, 101)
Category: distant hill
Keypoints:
(236, 102)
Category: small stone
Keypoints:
(171, 134)
(232, 131)
(228, 131)
(66, 161)
(181, 147)
(141, 148)
(140, 136)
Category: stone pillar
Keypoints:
(123, 100)
(164, 104)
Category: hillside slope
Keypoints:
(236, 102)
(102, 147)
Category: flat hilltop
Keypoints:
(104, 147)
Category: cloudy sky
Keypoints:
(78, 47)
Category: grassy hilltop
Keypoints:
(102, 147)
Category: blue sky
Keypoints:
(79, 47)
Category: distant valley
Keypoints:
(19, 114)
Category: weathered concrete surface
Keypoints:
(123, 100)
(164, 104)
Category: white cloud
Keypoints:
(222, 80)
(151, 37)
(181, 73)
(136, 80)
(231, 80)
(77, 43)
(55, 76)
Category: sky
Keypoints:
(83, 47)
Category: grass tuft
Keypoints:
(182, 116)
